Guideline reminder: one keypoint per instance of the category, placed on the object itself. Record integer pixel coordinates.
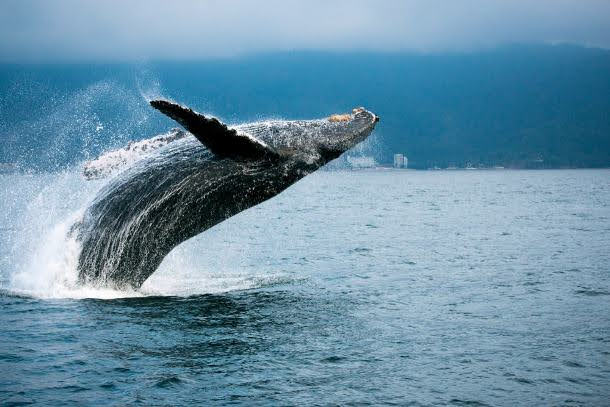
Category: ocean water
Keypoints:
(352, 287)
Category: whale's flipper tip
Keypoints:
(215, 135)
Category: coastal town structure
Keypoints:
(400, 161)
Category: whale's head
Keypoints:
(316, 142)
(308, 143)
(344, 132)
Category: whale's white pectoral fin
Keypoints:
(215, 135)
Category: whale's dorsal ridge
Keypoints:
(215, 135)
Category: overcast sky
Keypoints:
(177, 29)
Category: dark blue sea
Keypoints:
(372, 287)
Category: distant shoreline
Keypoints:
(390, 168)
(33, 172)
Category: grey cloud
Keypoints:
(139, 29)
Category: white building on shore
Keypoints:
(400, 161)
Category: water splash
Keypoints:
(64, 129)
(40, 209)
(43, 257)
(51, 270)
(148, 84)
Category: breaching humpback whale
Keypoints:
(185, 182)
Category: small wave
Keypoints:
(108, 386)
(168, 382)
(591, 292)
(460, 402)
(571, 363)
(333, 359)
(360, 250)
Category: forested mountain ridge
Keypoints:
(517, 106)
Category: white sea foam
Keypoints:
(42, 254)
